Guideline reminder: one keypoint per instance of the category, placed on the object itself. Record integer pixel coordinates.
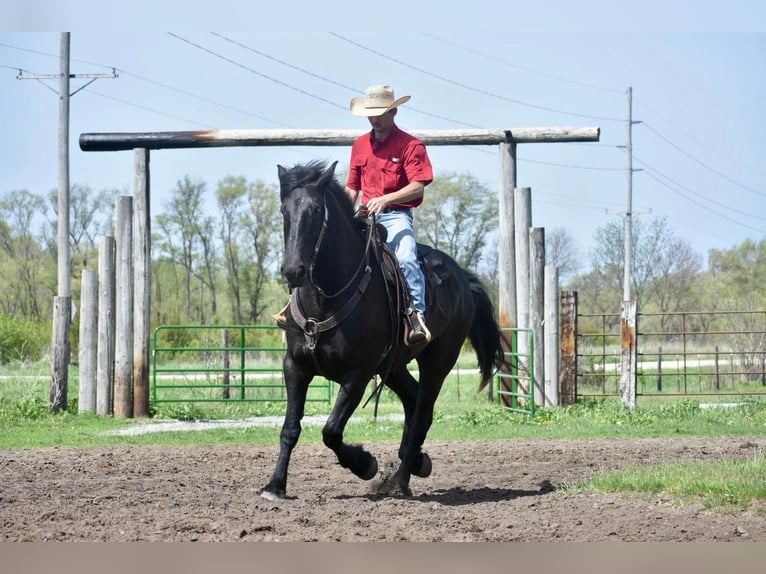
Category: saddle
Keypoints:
(431, 262)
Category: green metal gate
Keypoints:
(516, 389)
(242, 365)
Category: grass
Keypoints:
(460, 414)
(725, 484)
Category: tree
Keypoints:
(180, 229)
(458, 214)
(24, 264)
(230, 194)
(561, 251)
(663, 266)
(261, 230)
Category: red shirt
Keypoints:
(377, 168)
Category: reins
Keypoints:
(313, 327)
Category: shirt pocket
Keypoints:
(393, 175)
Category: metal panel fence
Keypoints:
(215, 363)
(699, 353)
(516, 389)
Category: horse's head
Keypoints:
(304, 213)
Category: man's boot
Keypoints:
(418, 332)
(281, 317)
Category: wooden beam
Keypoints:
(300, 137)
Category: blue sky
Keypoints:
(698, 76)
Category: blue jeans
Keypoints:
(401, 240)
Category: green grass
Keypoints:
(725, 484)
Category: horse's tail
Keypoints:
(487, 340)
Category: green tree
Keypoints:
(261, 227)
(180, 229)
(231, 194)
(458, 214)
(663, 268)
(24, 285)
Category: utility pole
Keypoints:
(628, 322)
(629, 212)
(62, 303)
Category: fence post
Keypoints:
(628, 354)
(551, 335)
(123, 354)
(568, 348)
(523, 219)
(142, 287)
(106, 312)
(659, 370)
(226, 363)
(537, 308)
(87, 352)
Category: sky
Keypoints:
(697, 74)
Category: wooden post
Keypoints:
(62, 321)
(106, 327)
(568, 359)
(506, 256)
(123, 353)
(142, 285)
(88, 328)
(507, 246)
(523, 218)
(628, 353)
(551, 335)
(536, 308)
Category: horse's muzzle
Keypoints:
(295, 276)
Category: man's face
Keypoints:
(381, 125)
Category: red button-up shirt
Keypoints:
(377, 168)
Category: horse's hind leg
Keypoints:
(406, 388)
(352, 457)
(435, 363)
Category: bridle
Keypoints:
(313, 327)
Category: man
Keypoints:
(391, 168)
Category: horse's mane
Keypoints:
(304, 174)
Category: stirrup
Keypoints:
(418, 333)
(281, 317)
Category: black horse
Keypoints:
(344, 324)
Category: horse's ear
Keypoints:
(327, 175)
(281, 171)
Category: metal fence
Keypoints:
(699, 353)
(214, 363)
(516, 389)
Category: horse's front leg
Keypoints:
(297, 384)
(353, 457)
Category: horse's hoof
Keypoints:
(273, 496)
(372, 470)
(425, 467)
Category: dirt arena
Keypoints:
(479, 491)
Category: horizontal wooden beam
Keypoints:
(297, 137)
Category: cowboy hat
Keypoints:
(377, 101)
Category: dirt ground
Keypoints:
(479, 491)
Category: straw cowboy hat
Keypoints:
(377, 101)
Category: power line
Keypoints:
(519, 67)
(471, 88)
(699, 142)
(703, 164)
(330, 81)
(705, 207)
(256, 72)
(718, 203)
